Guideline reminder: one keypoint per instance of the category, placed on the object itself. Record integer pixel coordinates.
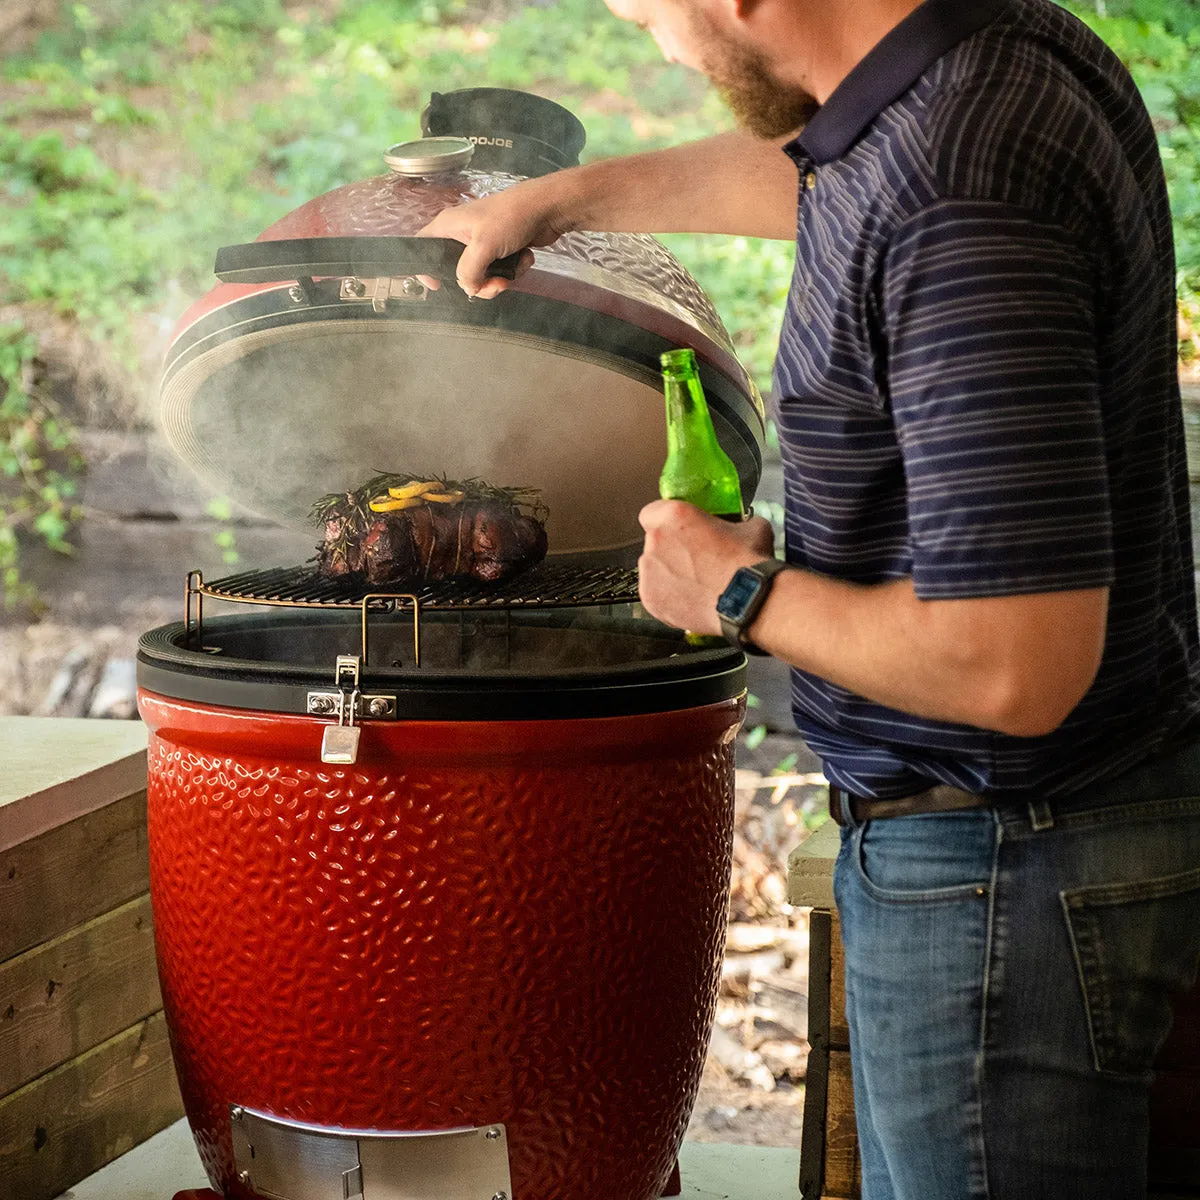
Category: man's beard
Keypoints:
(760, 104)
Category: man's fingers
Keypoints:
(484, 241)
(490, 290)
(473, 266)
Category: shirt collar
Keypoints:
(888, 71)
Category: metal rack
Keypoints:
(547, 585)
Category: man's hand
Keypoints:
(495, 227)
(689, 558)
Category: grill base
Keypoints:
(466, 929)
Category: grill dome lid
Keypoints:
(321, 359)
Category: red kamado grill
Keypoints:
(440, 873)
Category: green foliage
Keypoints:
(1178, 17)
(140, 138)
(69, 237)
(754, 736)
(225, 539)
(39, 465)
(1159, 40)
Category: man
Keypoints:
(989, 602)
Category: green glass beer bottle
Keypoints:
(697, 469)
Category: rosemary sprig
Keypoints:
(352, 506)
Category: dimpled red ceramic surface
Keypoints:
(479, 922)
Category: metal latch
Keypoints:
(339, 743)
(380, 291)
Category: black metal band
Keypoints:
(169, 666)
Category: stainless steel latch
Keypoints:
(339, 743)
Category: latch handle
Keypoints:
(346, 670)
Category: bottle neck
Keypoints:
(688, 420)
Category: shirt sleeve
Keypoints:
(990, 338)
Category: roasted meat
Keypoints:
(384, 534)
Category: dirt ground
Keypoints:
(743, 1115)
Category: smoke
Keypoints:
(292, 413)
(527, 390)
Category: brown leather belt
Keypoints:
(942, 798)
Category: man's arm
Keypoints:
(732, 183)
(1014, 664)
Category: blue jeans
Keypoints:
(1008, 984)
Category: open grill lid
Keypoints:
(321, 359)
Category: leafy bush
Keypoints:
(244, 109)
(39, 464)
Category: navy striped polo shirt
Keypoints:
(977, 385)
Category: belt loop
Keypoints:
(1040, 815)
(839, 805)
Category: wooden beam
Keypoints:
(816, 1083)
(843, 1167)
(71, 874)
(72, 993)
(839, 1030)
(68, 1123)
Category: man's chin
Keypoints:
(769, 120)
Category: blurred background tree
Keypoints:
(135, 139)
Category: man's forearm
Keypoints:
(732, 183)
(1014, 664)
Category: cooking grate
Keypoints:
(548, 585)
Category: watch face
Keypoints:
(741, 590)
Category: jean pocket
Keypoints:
(1136, 947)
(932, 859)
